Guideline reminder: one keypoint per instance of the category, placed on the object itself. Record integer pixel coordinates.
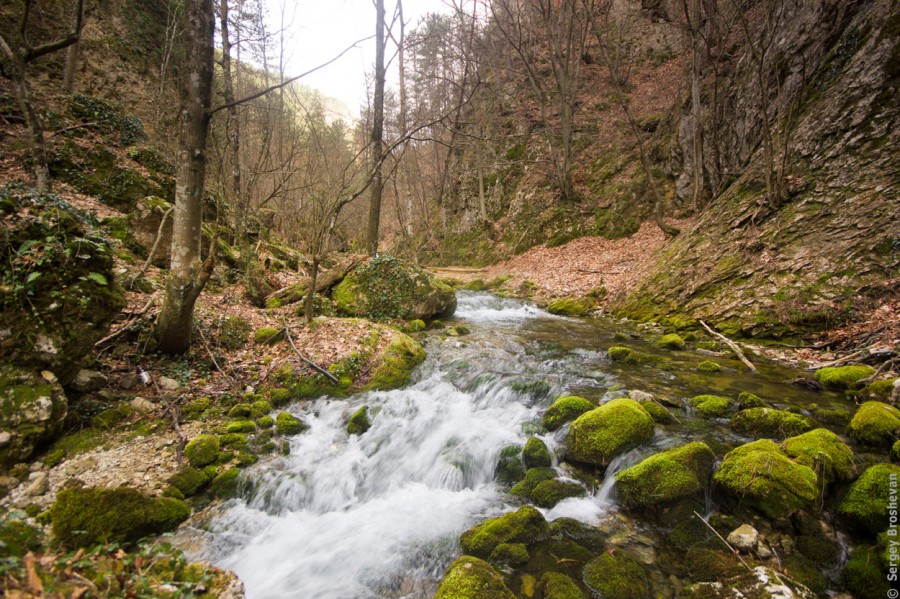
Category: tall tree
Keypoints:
(187, 276)
(377, 138)
(19, 60)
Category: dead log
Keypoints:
(324, 281)
(731, 345)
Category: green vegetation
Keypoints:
(526, 525)
(565, 409)
(599, 435)
(550, 492)
(288, 424)
(509, 469)
(572, 306)
(712, 406)
(202, 450)
(823, 452)
(359, 422)
(766, 422)
(536, 454)
(843, 377)
(708, 366)
(533, 477)
(268, 335)
(666, 477)
(671, 341)
(875, 424)
(471, 578)
(559, 586)
(866, 505)
(615, 574)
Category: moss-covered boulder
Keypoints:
(875, 424)
(671, 341)
(471, 578)
(667, 477)
(712, 406)
(709, 366)
(866, 504)
(359, 422)
(824, 452)
(761, 476)
(288, 424)
(615, 575)
(268, 335)
(33, 408)
(509, 554)
(386, 287)
(659, 413)
(864, 574)
(767, 422)
(83, 517)
(572, 306)
(394, 367)
(619, 353)
(565, 409)
(533, 477)
(526, 525)
(536, 454)
(843, 377)
(748, 400)
(188, 481)
(58, 293)
(225, 485)
(597, 436)
(509, 469)
(548, 493)
(202, 450)
(559, 586)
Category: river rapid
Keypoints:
(379, 515)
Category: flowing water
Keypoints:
(379, 515)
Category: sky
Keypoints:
(318, 30)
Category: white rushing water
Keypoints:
(379, 514)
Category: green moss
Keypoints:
(712, 565)
(83, 517)
(550, 492)
(708, 366)
(265, 422)
(233, 332)
(572, 306)
(619, 353)
(748, 400)
(225, 485)
(616, 575)
(475, 285)
(711, 406)
(766, 422)
(287, 424)
(241, 410)
(671, 341)
(536, 454)
(843, 377)
(107, 419)
(526, 525)
(824, 452)
(259, 408)
(659, 414)
(875, 424)
(599, 435)
(188, 481)
(559, 586)
(819, 549)
(864, 575)
(193, 410)
(764, 478)
(533, 478)
(511, 554)
(17, 537)
(401, 356)
(667, 477)
(509, 469)
(235, 441)
(279, 396)
(471, 578)
(268, 335)
(565, 409)
(245, 459)
(880, 390)
(241, 426)
(836, 416)
(866, 504)
(202, 450)
(359, 422)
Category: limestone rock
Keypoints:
(143, 406)
(38, 484)
(32, 410)
(88, 381)
(167, 384)
(744, 537)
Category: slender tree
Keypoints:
(377, 139)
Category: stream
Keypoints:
(379, 515)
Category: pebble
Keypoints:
(744, 537)
(39, 484)
(167, 384)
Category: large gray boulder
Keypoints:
(32, 410)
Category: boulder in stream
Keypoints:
(471, 578)
(824, 452)
(596, 437)
(565, 409)
(526, 525)
(875, 424)
(866, 504)
(667, 477)
(616, 575)
(768, 422)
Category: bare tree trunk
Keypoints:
(696, 108)
(311, 293)
(72, 54)
(234, 133)
(377, 131)
(187, 276)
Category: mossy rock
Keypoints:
(565, 409)
(526, 525)
(762, 583)
(864, 575)
(749, 400)
(241, 426)
(84, 517)
(510, 554)
(509, 469)
(880, 390)
(241, 410)
(396, 364)
(265, 422)
(202, 450)
(866, 504)
(712, 406)
(559, 586)
(671, 341)
(279, 396)
(359, 422)
(768, 422)
(597, 436)
(875, 424)
(225, 485)
(843, 377)
(17, 537)
(533, 478)
(761, 476)
(550, 492)
(834, 416)
(619, 353)
(615, 575)
(666, 477)
(706, 564)
(572, 306)
(471, 578)
(33, 408)
(822, 450)
(475, 285)
(268, 335)
(659, 413)
(260, 408)
(233, 332)
(386, 287)
(188, 481)
(194, 409)
(819, 549)
(536, 454)
(288, 424)
(709, 366)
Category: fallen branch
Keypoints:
(138, 316)
(159, 232)
(884, 366)
(731, 345)
(866, 351)
(73, 127)
(674, 417)
(310, 363)
(727, 544)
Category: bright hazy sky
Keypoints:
(320, 29)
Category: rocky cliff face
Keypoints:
(754, 268)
